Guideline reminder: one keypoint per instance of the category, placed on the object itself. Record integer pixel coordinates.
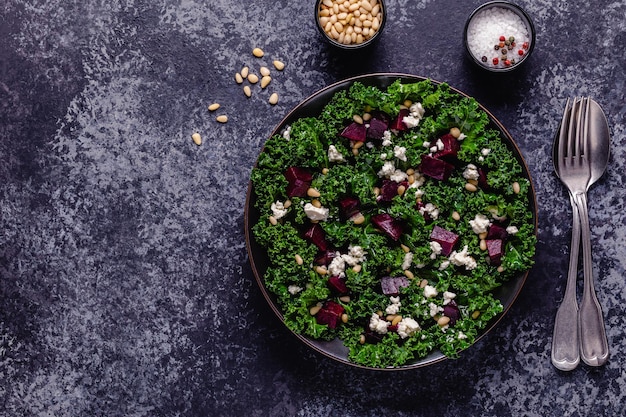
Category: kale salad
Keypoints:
(389, 218)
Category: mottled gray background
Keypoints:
(125, 288)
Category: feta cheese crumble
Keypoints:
(400, 152)
(334, 155)
(387, 138)
(387, 170)
(471, 172)
(278, 210)
(394, 307)
(319, 214)
(408, 260)
(480, 224)
(430, 291)
(407, 327)
(512, 230)
(378, 325)
(463, 259)
(431, 210)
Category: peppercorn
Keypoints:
(520, 52)
(496, 47)
(503, 51)
(484, 59)
(495, 61)
(512, 39)
(525, 45)
(507, 62)
(502, 38)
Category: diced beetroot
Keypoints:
(388, 190)
(391, 285)
(398, 124)
(495, 249)
(349, 206)
(330, 314)
(377, 128)
(316, 235)
(372, 337)
(435, 168)
(299, 181)
(324, 258)
(355, 131)
(496, 232)
(451, 310)
(482, 179)
(388, 225)
(450, 149)
(338, 285)
(445, 238)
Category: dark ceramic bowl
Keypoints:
(312, 107)
(352, 44)
(482, 41)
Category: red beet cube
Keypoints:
(299, 181)
(337, 285)
(316, 235)
(388, 225)
(445, 238)
(388, 191)
(496, 232)
(349, 207)
(452, 311)
(355, 131)
(450, 149)
(495, 249)
(391, 285)
(436, 168)
(324, 258)
(398, 124)
(376, 128)
(330, 314)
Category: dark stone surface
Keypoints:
(125, 288)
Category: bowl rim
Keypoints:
(335, 349)
(514, 8)
(355, 46)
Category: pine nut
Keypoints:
(366, 116)
(344, 318)
(287, 204)
(273, 220)
(325, 170)
(396, 320)
(253, 78)
(316, 203)
(197, 139)
(423, 283)
(401, 189)
(357, 144)
(483, 244)
(408, 274)
(247, 91)
(214, 106)
(344, 298)
(258, 52)
(500, 269)
(358, 119)
(321, 270)
(313, 193)
(244, 72)
(410, 171)
(456, 132)
(357, 268)
(222, 119)
(475, 314)
(265, 81)
(473, 181)
(456, 216)
(273, 99)
(482, 235)
(358, 219)
(470, 187)
(516, 187)
(362, 339)
(238, 78)
(405, 248)
(315, 309)
(299, 259)
(443, 321)
(264, 71)
(279, 65)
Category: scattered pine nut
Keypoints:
(483, 244)
(405, 248)
(443, 321)
(471, 187)
(273, 221)
(344, 318)
(273, 98)
(316, 203)
(222, 119)
(456, 132)
(475, 314)
(265, 81)
(516, 187)
(287, 204)
(315, 309)
(214, 106)
(238, 78)
(197, 139)
(483, 235)
(358, 119)
(408, 274)
(344, 298)
(253, 78)
(244, 72)
(321, 270)
(500, 269)
(456, 216)
(258, 52)
(313, 193)
(247, 91)
(357, 268)
(299, 259)
(279, 65)
(358, 219)
(264, 71)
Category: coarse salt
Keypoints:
(486, 28)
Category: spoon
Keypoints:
(594, 349)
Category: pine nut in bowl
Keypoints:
(499, 36)
(350, 24)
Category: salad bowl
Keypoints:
(505, 293)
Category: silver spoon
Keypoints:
(594, 349)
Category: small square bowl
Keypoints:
(499, 36)
(351, 28)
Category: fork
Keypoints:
(577, 330)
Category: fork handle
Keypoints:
(565, 351)
(594, 349)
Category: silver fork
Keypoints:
(587, 338)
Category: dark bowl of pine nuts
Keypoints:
(350, 24)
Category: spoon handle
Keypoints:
(565, 354)
(594, 349)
